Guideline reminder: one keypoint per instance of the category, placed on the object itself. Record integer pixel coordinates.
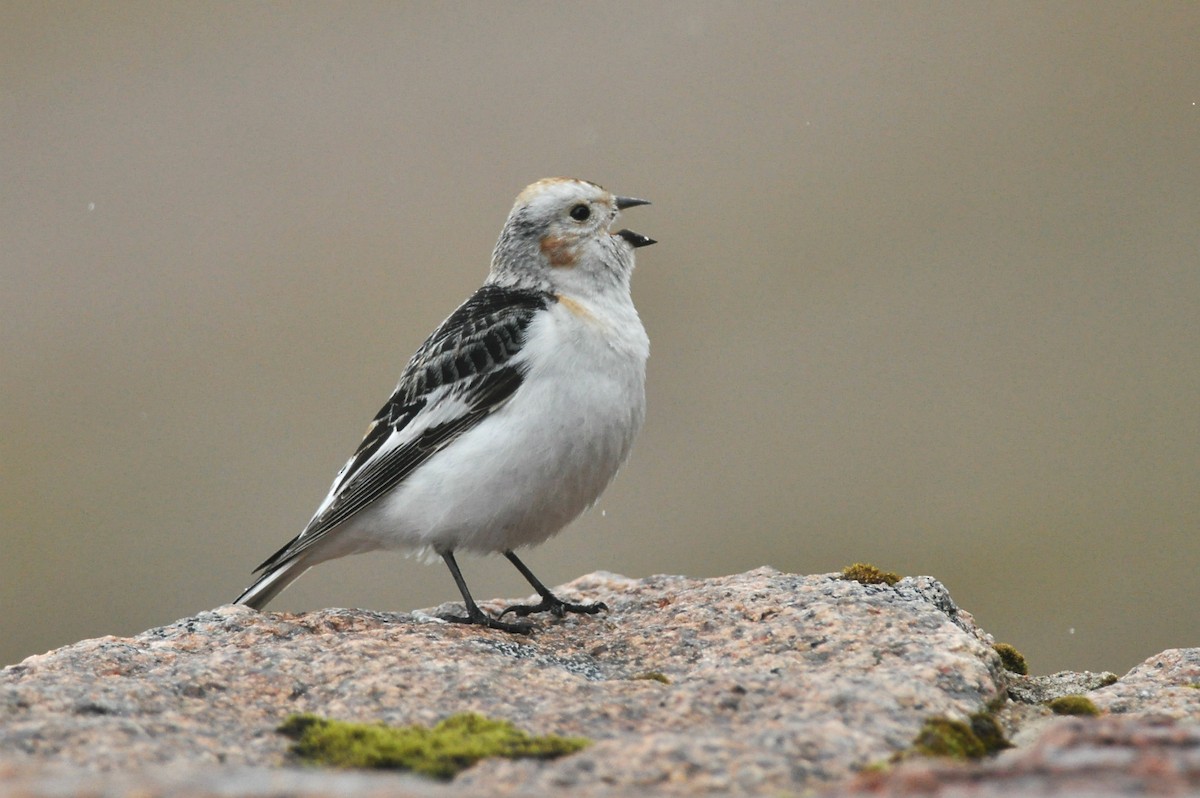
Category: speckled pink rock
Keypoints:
(1072, 758)
(776, 683)
(1167, 684)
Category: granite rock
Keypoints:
(776, 682)
(1073, 757)
(1040, 689)
(757, 683)
(1167, 684)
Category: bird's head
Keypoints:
(559, 233)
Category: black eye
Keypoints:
(581, 212)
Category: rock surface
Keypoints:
(776, 684)
(1094, 757)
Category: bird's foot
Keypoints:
(556, 607)
(481, 618)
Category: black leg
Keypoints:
(474, 614)
(550, 602)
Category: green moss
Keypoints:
(990, 733)
(945, 737)
(1111, 678)
(453, 745)
(653, 676)
(1011, 659)
(869, 575)
(1195, 686)
(1073, 705)
(975, 738)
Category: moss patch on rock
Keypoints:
(868, 574)
(1012, 660)
(974, 738)
(451, 746)
(652, 676)
(1073, 705)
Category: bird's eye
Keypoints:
(581, 212)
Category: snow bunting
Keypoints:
(513, 416)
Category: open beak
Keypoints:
(629, 202)
(635, 239)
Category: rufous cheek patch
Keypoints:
(561, 254)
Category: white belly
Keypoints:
(530, 468)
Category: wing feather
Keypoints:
(462, 373)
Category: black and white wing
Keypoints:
(460, 375)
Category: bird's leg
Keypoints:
(550, 602)
(474, 614)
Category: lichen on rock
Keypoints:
(1073, 705)
(1012, 660)
(443, 751)
(867, 574)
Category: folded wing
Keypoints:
(462, 373)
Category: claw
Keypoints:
(490, 623)
(556, 607)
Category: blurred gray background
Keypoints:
(927, 293)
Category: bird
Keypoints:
(510, 419)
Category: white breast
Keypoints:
(539, 461)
